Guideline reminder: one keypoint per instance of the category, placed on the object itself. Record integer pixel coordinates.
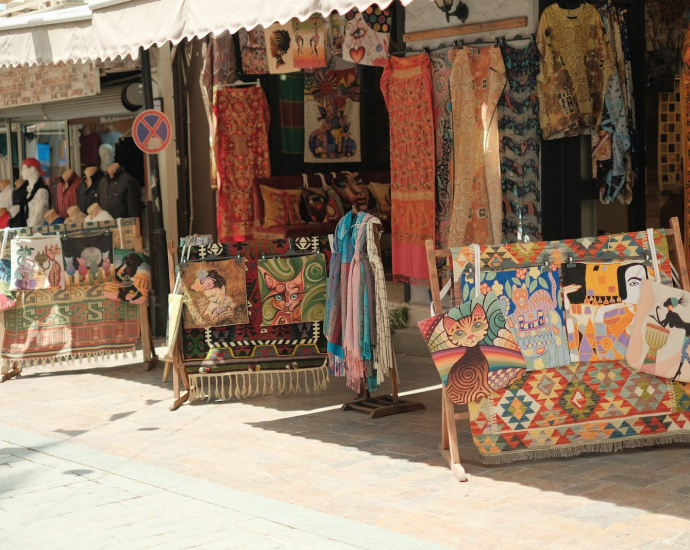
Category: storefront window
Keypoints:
(46, 142)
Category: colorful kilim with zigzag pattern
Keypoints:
(580, 408)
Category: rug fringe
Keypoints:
(77, 358)
(248, 384)
(575, 450)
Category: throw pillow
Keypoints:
(323, 205)
(382, 194)
(281, 206)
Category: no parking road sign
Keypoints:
(151, 131)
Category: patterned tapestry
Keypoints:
(132, 278)
(291, 110)
(441, 65)
(88, 260)
(367, 36)
(685, 120)
(660, 341)
(473, 351)
(293, 290)
(280, 43)
(253, 51)
(530, 300)
(600, 302)
(214, 293)
(232, 348)
(37, 263)
(520, 145)
(670, 156)
(331, 116)
(407, 88)
(477, 81)
(65, 325)
(579, 408)
(310, 43)
(242, 154)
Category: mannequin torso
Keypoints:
(97, 214)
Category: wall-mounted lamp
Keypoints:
(461, 12)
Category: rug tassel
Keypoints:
(237, 388)
(272, 391)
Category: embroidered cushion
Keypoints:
(281, 206)
(382, 194)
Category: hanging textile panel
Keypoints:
(530, 301)
(520, 145)
(476, 85)
(606, 248)
(310, 43)
(331, 116)
(472, 349)
(670, 142)
(293, 290)
(37, 263)
(282, 49)
(88, 260)
(269, 347)
(291, 109)
(441, 65)
(407, 88)
(600, 302)
(253, 51)
(685, 122)
(214, 293)
(66, 325)
(132, 280)
(579, 408)
(242, 154)
(367, 36)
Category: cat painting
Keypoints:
(473, 351)
(285, 298)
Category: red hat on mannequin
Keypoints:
(34, 164)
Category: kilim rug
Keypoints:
(566, 411)
(66, 325)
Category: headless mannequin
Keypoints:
(66, 176)
(87, 194)
(51, 216)
(32, 205)
(67, 192)
(75, 215)
(4, 208)
(113, 168)
(89, 173)
(107, 155)
(119, 193)
(97, 214)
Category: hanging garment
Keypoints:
(406, 87)
(441, 65)
(476, 84)
(67, 197)
(291, 109)
(520, 145)
(576, 64)
(253, 51)
(241, 142)
(685, 120)
(120, 195)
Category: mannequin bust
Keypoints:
(5, 197)
(89, 173)
(30, 173)
(52, 217)
(97, 214)
(30, 202)
(66, 176)
(107, 155)
(75, 215)
(4, 184)
(113, 168)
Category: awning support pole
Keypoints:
(160, 287)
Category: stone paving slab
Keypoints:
(304, 451)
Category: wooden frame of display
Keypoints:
(147, 344)
(449, 431)
(174, 359)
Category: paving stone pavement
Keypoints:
(297, 455)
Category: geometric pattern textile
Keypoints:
(566, 411)
(670, 170)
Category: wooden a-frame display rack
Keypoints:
(147, 345)
(449, 429)
(173, 357)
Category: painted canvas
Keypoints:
(600, 302)
(131, 277)
(335, 33)
(331, 116)
(280, 43)
(215, 294)
(530, 301)
(660, 341)
(37, 263)
(310, 43)
(88, 260)
(293, 290)
(7, 299)
(367, 36)
(253, 51)
(472, 349)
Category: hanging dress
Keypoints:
(476, 84)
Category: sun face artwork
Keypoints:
(367, 36)
(132, 277)
(215, 294)
(331, 116)
(88, 260)
(293, 290)
(310, 43)
(281, 47)
(37, 264)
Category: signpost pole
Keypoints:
(160, 288)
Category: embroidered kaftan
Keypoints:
(476, 84)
